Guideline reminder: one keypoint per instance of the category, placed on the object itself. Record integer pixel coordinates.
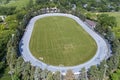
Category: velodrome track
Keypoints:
(101, 54)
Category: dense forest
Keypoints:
(14, 23)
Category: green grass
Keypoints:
(60, 40)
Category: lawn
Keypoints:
(60, 40)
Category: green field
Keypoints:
(60, 40)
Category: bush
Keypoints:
(1, 19)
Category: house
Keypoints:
(73, 6)
(51, 10)
(85, 5)
(54, 9)
(3, 17)
(90, 23)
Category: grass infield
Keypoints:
(60, 40)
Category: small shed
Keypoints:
(90, 23)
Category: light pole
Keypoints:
(84, 71)
(13, 37)
(104, 71)
(86, 75)
(106, 66)
(11, 73)
(60, 65)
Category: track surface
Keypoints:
(101, 54)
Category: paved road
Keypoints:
(101, 54)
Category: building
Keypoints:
(50, 10)
(90, 23)
(3, 17)
(73, 7)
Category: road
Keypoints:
(101, 53)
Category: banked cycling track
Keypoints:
(101, 54)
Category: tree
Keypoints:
(18, 67)
(4, 38)
(7, 10)
(56, 75)
(1, 20)
(110, 36)
(49, 76)
(41, 1)
(11, 60)
(2, 66)
(26, 71)
(69, 75)
(113, 63)
(30, 4)
(44, 74)
(32, 71)
(37, 74)
(116, 75)
(106, 20)
(105, 23)
(83, 74)
(20, 15)
(102, 69)
(11, 57)
(93, 73)
(115, 46)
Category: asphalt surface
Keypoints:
(101, 54)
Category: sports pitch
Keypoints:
(60, 40)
